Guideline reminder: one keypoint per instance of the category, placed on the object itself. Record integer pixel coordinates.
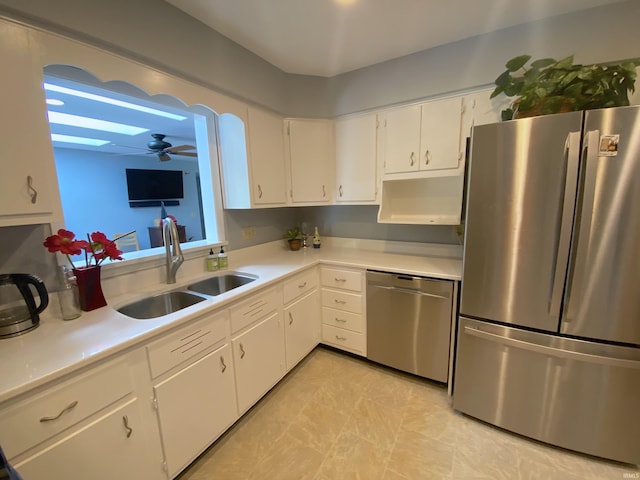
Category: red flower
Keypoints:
(64, 243)
(99, 249)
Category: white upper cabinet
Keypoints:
(28, 187)
(311, 151)
(356, 159)
(266, 153)
(253, 163)
(423, 138)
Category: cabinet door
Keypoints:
(402, 139)
(195, 406)
(266, 147)
(28, 179)
(302, 328)
(258, 356)
(112, 446)
(312, 156)
(356, 160)
(440, 134)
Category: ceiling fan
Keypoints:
(162, 148)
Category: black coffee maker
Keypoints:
(18, 310)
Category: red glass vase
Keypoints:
(89, 287)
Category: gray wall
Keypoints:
(157, 33)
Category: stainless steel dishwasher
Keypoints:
(409, 323)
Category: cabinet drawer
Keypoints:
(340, 319)
(342, 338)
(337, 278)
(186, 343)
(257, 307)
(36, 419)
(349, 302)
(300, 284)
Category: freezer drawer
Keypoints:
(575, 394)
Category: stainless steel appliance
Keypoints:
(549, 330)
(18, 310)
(409, 323)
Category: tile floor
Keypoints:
(339, 417)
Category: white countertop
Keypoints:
(57, 348)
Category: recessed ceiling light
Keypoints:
(111, 101)
(56, 137)
(94, 124)
(54, 101)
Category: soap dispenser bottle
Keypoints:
(316, 238)
(223, 260)
(212, 261)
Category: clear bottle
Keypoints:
(223, 260)
(68, 295)
(316, 238)
(212, 261)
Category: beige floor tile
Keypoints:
(417, 457)
(375, 422)
(317, 426)
(354, 458)
(290, 459)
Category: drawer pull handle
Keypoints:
(427, 157)
(340, 190)
(69, 407)
(259, 191)
(223, 366)
(324, 191)
(340, 302)
(339, 279)
(302, 285)
(338, 337)
(33, 193)
(342, 320)
(242, 352)
(125, 420)
(412, 159)
(290, 318)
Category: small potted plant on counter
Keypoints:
(294, 237)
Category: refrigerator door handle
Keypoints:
(554, 352)
(572, 154)
(584, 210)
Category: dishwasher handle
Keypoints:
(410, 291)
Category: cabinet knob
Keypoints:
(412, 159)
(290, 318)
(338, 337)
(340, 302)
(427, 157)
(242, 352)
(302, 285)
(33, 193)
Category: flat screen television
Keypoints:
(154, 184)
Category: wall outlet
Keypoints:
(248, 233)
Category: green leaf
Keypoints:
(503, 79)
(496, 92)
(517, 63)
(543, 62)
(506, 114)
(565, 62)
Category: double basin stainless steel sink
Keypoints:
(170, 302)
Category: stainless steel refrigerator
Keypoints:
(549, 327)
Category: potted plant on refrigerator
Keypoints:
(548, 86)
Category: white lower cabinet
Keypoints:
(258, 355)
(109, 447)
(343, 309)
(302, 327)
(195, 406)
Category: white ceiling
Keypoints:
(329, 37)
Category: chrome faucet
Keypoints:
(174, 257)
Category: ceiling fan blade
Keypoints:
(179, 148)
(185, 154)
(163, 157)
